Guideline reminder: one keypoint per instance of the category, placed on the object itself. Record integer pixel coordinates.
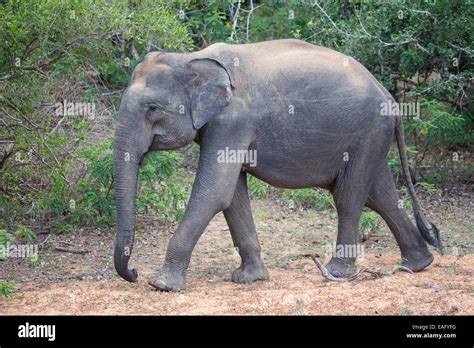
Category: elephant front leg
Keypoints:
(212, 192)
(242, 228)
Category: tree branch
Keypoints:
(375, 272)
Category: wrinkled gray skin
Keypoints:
(241, 97)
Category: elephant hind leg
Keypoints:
(350, 194)
(384, 199)
(242, 229)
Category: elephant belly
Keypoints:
(294, 168)
(292, 181)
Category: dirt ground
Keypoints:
(71, 283)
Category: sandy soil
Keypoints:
(68, 283)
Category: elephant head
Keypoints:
(169, 98)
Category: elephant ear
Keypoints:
(211, 90)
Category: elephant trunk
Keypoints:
(126, 165)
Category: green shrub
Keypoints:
(439, 125)
(429, 188)
(310, 197)
(53, 177)
(7, 288)
(162, 187)
(369, 221)
(26, 233)
(393, 159)
(5, 238)
(34, 261)
(257, 188)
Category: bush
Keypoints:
(5, 238)
(440, 126)
(257, 188)
(55, 170)
(7, 288)
(369, 222)
(310, 197)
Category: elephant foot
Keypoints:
(418, 261)
(167, 281)
(341, 267)
(248, 274)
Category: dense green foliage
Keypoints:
(56, 169)
(6, 288)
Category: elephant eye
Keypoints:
(153, 106)
(155, 111)
(151, 112)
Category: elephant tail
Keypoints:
(428, 230)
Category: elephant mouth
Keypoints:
(165, 142)
(156, 144)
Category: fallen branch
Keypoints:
(378, 273)
(375, 272)
(329, 276)
(45, 240)
(72, 251)
(65, 242)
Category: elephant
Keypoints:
(310, 114)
